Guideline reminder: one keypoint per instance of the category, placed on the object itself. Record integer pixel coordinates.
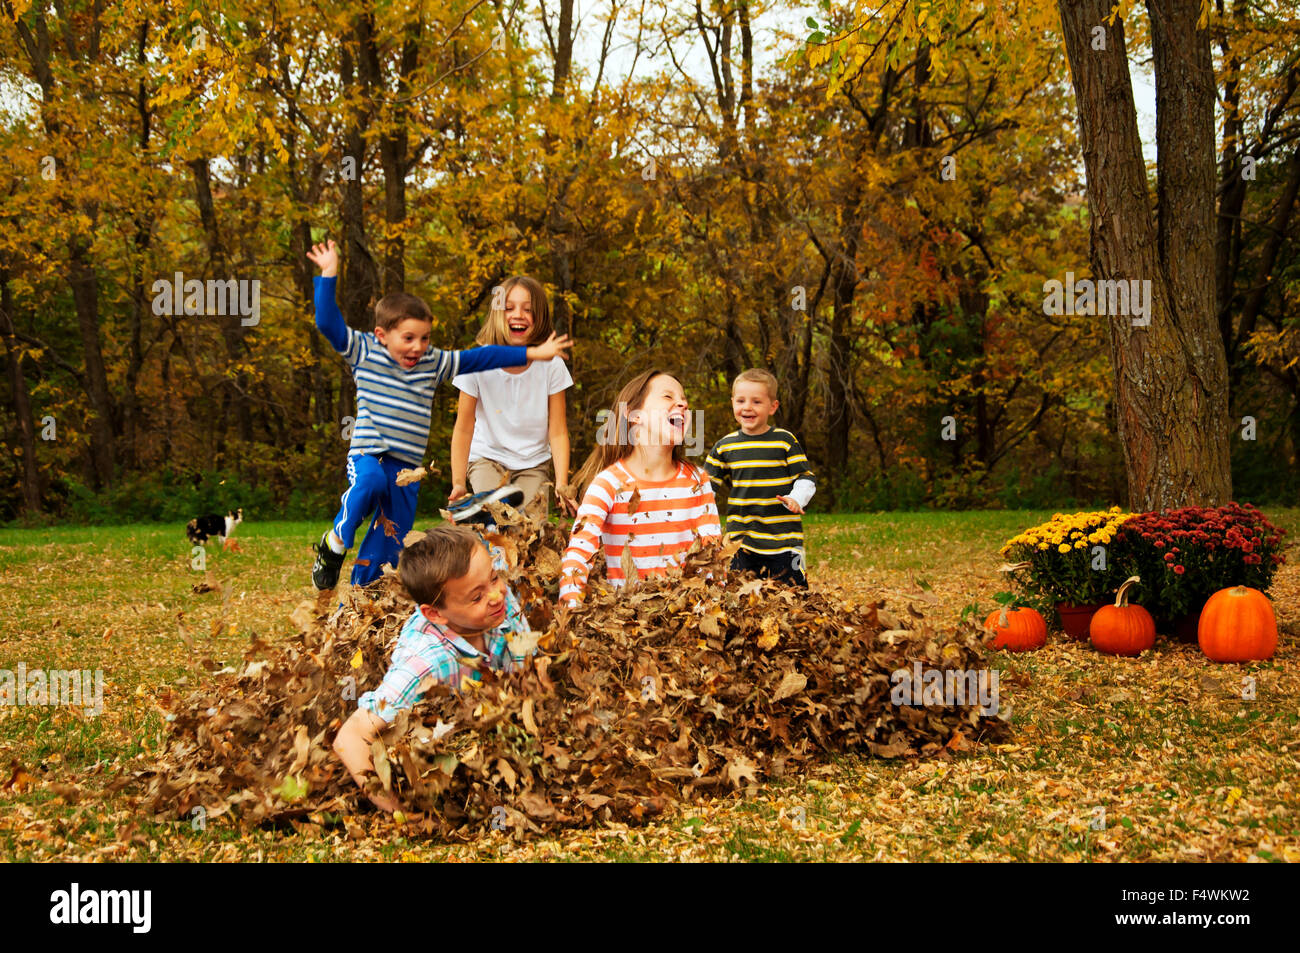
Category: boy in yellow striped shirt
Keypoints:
(769, 483)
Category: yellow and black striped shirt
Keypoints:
(756, 469)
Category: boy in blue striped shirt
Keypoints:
(396, 371)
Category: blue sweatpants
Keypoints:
(372, 488)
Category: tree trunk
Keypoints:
(563, 52)
(1277, 234)
(143, 219)
(232, 329)
(359, 275)
(82, 280)
(394, 149)
(1227, 250)
(557, 212)
(22, 403)
(1170, 376)
(85, 296)
(844, 287)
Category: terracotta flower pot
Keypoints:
(1076, 619)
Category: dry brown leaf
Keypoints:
(712, 620)
(791, 684)
(627, 563)
(390, 528)
(408, 476)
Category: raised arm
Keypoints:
(329, 320)
(328, 317)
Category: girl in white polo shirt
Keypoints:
(511, 424)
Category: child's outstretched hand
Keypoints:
(791, 504)
(326, 258)
(566, 499)
(555, 346)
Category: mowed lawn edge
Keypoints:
(1155, 758)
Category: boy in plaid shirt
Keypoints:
(464, 621)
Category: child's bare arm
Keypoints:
(557, 432)
(462, 437)
(584, 542)
(352, 745)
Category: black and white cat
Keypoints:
(202, 528)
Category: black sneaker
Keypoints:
(473, 509)
(325, 571)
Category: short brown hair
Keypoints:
(428, 564)
(397, 307)
(757, 375)
(495, 331)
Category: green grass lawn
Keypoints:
(1183, 767)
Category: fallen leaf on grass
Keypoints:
(19, 779)
(740, 769)
(209, 584)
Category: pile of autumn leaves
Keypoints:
(666, 692)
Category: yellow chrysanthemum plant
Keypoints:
(1069, 558)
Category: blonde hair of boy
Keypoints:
(757, 375)
(495, 329)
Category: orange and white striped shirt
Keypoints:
(664, 520)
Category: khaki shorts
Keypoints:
(484, 474)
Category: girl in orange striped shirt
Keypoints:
(642, 494)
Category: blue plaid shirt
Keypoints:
(428, 654)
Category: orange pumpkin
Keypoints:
(1016, 630)
(1122, 629)
(1237, 625)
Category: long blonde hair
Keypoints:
(614, 438)
(495, 329)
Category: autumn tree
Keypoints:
(1171, 377)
